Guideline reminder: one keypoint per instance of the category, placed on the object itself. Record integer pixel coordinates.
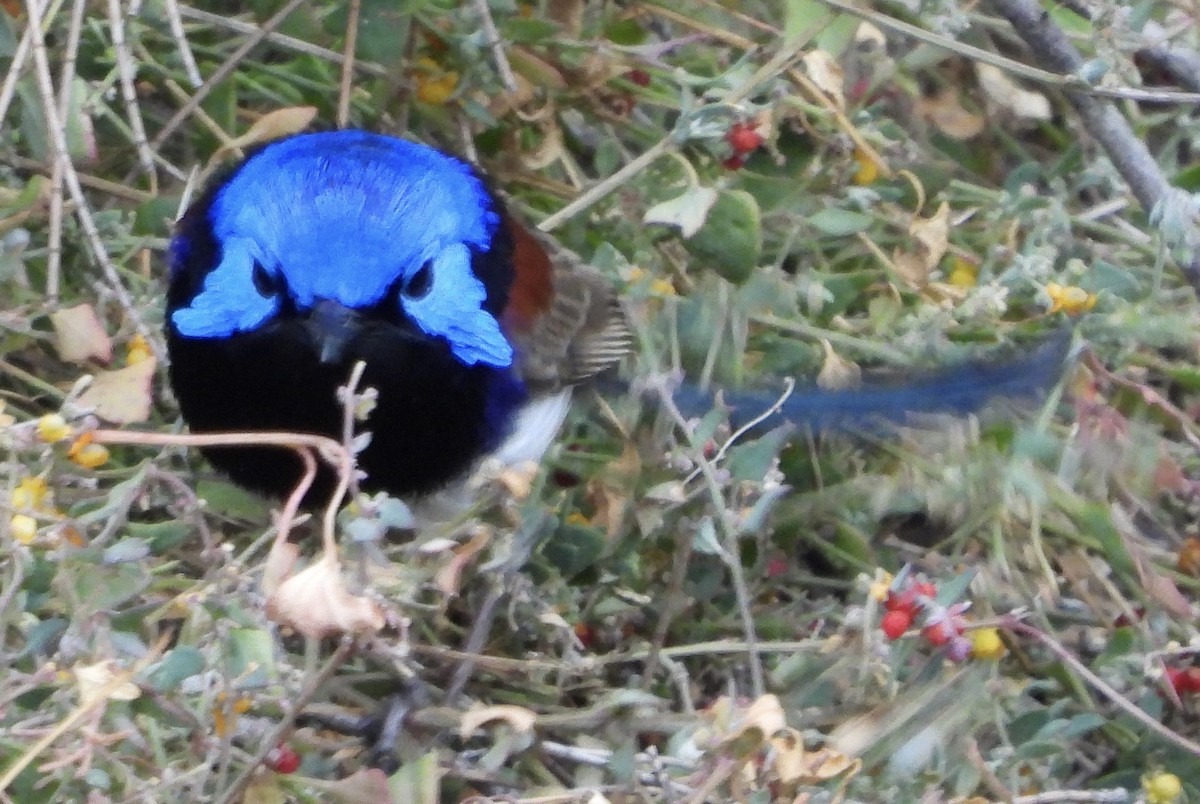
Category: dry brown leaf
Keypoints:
(122, 396)
(518, 479)
(1021, 103)
(549, 150)
(568, 14)
(271, 126)
(366, 786)
(315, 603)
(1158, 586)
(280, 563)
(501, 104)
(449, 578)
(519, 718)
(837, 373)
(789, 765)
(79, 336)
(933, 238)
(826, 73)
(946, 113)
(91, 679)
(824, 764)
(758, 723)
(611, 493)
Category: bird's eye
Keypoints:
(419, 284)
(266, 284)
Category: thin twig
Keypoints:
(288, 724)
(95, 699)
(282, 40)
(597, 191)
(224, 71)
(8, 89)
(1102, 121)
(730, 553)
(87, 180)
(347, 82)
(175, 22)
(492, 36)
(1114, 794)
(54, 124)
(1064, 79)
(125, 78)
(66, 85)
(1102, 686)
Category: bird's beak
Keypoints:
(331, 326)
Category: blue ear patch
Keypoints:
(451, 309)
(228, 302)
(345, 215)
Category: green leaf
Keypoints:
(251, 657)
(625, 32)
(730, 241)
(131, 549)
(179, 663)
(417, 782)
(752, 460)
(1096, 520)
(230, 500)
(161, 536)
(573, 548)
(839, 222)
(687, 211)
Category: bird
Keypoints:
(324, 249)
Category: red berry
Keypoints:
(639, 77)
(937, 634)
(925, 589)
(905, 601)
(1184, 679)
(776, 566)
(733, 163)
(282, 759)
(895, 623)
(743, 138)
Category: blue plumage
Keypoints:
(345, 216)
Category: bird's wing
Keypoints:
(564, 317)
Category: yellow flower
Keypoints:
(53, 427)
(1161, 788)
(963, 274)
(137, 351)
(23, 528)
(868, 169)
(986, 644)
(662, 287)
(881, 584)
(1069, 299)
(240, 706)
(87, 454)
(434, 84)
(30, 494)
(576, 518)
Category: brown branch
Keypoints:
(1130, 156)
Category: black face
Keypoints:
(436, 413)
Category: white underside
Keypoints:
(535, 430)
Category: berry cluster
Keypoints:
(744, 139)
(943, 626)
(1184, 680)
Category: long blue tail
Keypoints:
(958, 389)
